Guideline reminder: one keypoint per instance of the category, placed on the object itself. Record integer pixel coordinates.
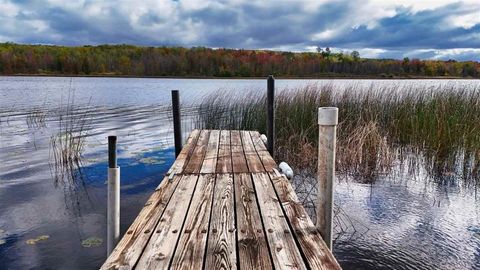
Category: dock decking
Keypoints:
(222, 205)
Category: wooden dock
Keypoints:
(222, 205)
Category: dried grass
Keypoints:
(379, 127)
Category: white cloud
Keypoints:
(416, 5)
(8, 9)
(325, 35)
(466, 21)
(371, 52)
(284, 25)
(453, 53)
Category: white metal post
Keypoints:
(327, 121)
(113, 194)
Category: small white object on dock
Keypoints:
(286, 169)
(264, 139)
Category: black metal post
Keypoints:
(112, 151)
(177, 128)
(271, 115)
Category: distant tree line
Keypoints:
(205, 62)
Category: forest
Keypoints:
(127, 60)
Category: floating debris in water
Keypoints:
(2, 241)
(92, 242)
(1, 231)
(38, 239)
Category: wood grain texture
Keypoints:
(259, 145)
(284, 250)
(185, 154)
(160, 248)
(196, 160)
(317, 254)
(223, 205)
(210, 161)
(193, 238)
(267, 160)
(130, 247)
(224, 162)
(252, 245)
(239, 163)
(221, 245)
(253, 161)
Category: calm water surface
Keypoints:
(55, 220)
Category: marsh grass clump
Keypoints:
(66, 148)
(379, 128)
(222, 111)
(36, 118)
(67, 145)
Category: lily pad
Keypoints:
(157, 148)
(92, 242)
(35, 240)
(92, 160)
(150, 160)
(449, 173)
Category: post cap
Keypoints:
(112, 139)
(328, 116)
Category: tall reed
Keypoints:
(68, 144)
(379, 128)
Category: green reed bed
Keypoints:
(380, 128)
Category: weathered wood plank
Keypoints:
(185, 154)
(191, 246)
(253, 161)
(224, 163)
(316, 252)
(267, 160)
(259, 145)
(210, 161)
(195, 162)
(252, 245)
(284, 250)
(248, 220)
(159, 251)
(239, 163)
(221, 245)
(130, 248)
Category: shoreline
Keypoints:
(240, 78)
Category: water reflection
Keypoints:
(62, 198)
(411, 225)
(402, 221)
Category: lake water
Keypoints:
(50, 218)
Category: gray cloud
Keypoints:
(448, 30)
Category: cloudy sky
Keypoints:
(435, 29)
